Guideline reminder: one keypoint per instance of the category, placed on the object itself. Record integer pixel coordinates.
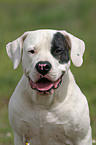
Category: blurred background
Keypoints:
(77, 17)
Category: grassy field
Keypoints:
(75, 16)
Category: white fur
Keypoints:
(61, 118)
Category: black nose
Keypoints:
(43, 67)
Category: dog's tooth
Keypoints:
(55, 86)
(38, 92)
(47, 92)
(41, 93)
(33, 87)
(52, 91)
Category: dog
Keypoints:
(47, 107)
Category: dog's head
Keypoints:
(45, 57)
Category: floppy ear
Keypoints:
(77, 48)
(14, 49)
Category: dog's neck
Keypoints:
(52, 99)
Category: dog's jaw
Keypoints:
(45, 86)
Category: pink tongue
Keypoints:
(44, 85)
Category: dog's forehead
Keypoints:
(39, 37)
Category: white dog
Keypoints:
(47, 107)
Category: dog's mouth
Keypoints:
(45, 86)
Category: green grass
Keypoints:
(75, 16)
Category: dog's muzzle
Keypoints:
(44, 85)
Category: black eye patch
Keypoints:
(60, 48)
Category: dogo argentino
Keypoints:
(47, 107)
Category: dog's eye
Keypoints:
(31, 51)
(58, 51)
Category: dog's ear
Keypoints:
(14, 49)
(77, 48)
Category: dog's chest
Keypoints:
(42, 127)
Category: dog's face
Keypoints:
(44, 52)
(45, 57)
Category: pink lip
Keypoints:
(45, 86)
